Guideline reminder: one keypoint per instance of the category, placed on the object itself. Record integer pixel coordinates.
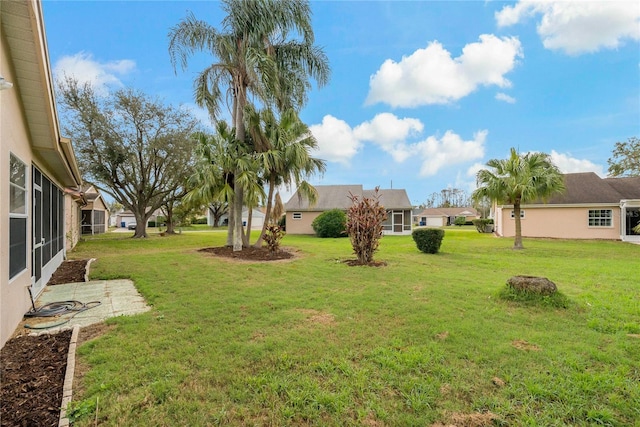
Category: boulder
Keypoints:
(533, 284)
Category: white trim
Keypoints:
(296, 215)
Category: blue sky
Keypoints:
(422, 93)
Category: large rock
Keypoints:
(538, 285)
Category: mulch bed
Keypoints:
(32, 369)
(248, 254)
(72, 271)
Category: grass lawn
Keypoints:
(424, 340)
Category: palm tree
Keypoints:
(255, 56)
(223, 164)
(522, 178)
(284, 153)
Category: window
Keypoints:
(297, 215)
(600, 217)
(521, 214)
(17, 216)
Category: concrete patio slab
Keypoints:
(115, 297)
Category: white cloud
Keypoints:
(85, 69)
(475, 168)
(437, 153)
(577, 27)
(336, 141)
(432, 76)
(568, 164)
(506, 98)
(389, 133)
(201, 114)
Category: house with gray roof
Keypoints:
(440, 217)
(300, 213)
(590, 208)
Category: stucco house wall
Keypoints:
(613, 203)
(301, 224)
(42, 164)
(300, 213)
(566, 222)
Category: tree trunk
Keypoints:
(170, 228)
(517, 243)
(238, 232)
(231, 222)
(238, 199)
(141, 224)
(267, 214)
(248, 232)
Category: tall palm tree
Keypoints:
(284, 154)
(521, 178)
(265, 49)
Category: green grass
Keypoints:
(316, 342)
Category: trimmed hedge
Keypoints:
(428, 240)
(331, 223)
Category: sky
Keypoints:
(422, 93)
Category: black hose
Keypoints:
(59, 308)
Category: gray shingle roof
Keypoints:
(466, 211)
(587, 187)
(337, 197)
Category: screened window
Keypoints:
(600, 218)
(297, 215)
(17, 216)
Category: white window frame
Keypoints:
(296, 215)
(600, 221)
(20, 215)
(522, 215)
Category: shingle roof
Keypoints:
(587, 187)
(466, 211)
(337, 197)
(629, 187)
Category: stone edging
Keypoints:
(86, 269)
(67, 389)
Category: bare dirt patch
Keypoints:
(468, 420)
(317, 317)
(250, 254)
(525, 346)
(356, 263)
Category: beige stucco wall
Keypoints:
(72, 215)
(302, 225)
(14, 138)
(557, 222)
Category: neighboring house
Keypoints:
(257, 218)
(127, 218)
(590, 208)
(95, 215)
(39, 178)
(300, 214)
(440, 217)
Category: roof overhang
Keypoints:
(23, 29)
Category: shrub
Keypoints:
(272, 237)
(364, 225)
(151, 224)
(283, 222)
(482, 225)
(460, 221)
(331, 223)
(428, 240)
(202, 220)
